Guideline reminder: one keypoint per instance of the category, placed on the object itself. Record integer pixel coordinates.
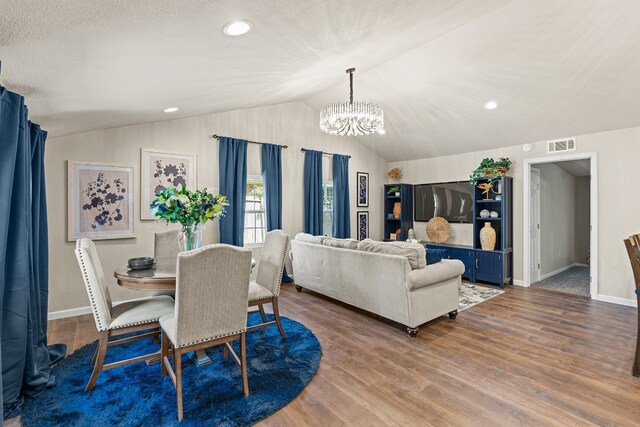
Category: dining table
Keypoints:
(161, 276)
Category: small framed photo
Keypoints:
(100, 201)
(362, 179)
(363, 225)
(161, 170)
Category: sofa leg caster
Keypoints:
(412, 332)
(298, 288)
(453, 314)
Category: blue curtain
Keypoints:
(272, 181)
(233, 184)
(313, 192)
(341, 226)
(25, 357)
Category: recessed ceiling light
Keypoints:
(382, 131)
(491, 105)
(171, 109)
(237, 28)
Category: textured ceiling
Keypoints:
(557, 68)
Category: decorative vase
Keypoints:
(488, 237)
(484, 213)
(190, 237)
(495, 214)
(396, 210)
(411, 234)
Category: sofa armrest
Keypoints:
(434, 273)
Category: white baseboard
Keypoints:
(61, 314)
(519, 283)
(560, 270)
(631, 302)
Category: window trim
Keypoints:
(253, 180)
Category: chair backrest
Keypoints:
(95, 283)
(212, 293)
(272, 260)
(633, 251)
(166, 244)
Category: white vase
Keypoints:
(487, 237)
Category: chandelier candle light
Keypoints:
(351, 118)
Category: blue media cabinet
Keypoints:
(405, 221)
(494, 266)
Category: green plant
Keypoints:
(490, 168)
(187, 207)
(394, 189)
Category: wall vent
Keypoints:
(561, 145)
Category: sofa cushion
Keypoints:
(341, 243)
(414, 252)
(310, 238)
(435, 255)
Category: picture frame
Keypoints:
(362, 184)
(160, 169)
(100, 201)
(363, 224)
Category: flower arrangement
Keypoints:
(395, 174)
(189, 208)
(490, 168)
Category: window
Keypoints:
(327, 207)
(254, 216)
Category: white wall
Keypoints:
(557, 218)
(293, 124)
(618, 152)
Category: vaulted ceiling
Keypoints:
(556, 68)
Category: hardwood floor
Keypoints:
(527, 357)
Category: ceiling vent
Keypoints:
(560, 145)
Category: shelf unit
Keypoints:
(405, 221)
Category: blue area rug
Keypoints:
(137, 395)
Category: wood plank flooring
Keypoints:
(528, 357)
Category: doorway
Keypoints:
(560, 224)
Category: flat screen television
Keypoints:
(452, 201)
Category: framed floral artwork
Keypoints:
(100, 201)
(362, 179)
(363, 225)
(161, 170)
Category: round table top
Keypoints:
(160, 277)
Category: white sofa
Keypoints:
(379, 283)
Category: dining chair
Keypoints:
(632, 245)
(165, 245)
(266, 288)
(113, 320)
(212, 289)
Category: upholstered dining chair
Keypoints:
(266, 288)
(632, 245)
(212, 289)
(165, 245)
(113, 320)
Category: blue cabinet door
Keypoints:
(489, 267)
(467, 258)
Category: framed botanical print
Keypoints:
(363, 225)
(362, 179)
(100, 201)
(161, 170)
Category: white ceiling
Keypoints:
(557, 68)
(577, 168)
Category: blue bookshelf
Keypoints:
(405, 221)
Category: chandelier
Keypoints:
(351, 118)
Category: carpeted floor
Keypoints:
(137, 395)
(573, 281)
(471, 295)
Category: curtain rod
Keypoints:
(214, 136)
(324, 153)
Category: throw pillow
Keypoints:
(309, 238)
(414, 252)
(341, 243)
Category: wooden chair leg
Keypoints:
(164, 352)
(262, 313)
(636, 363)
(225, 352)
(276, 314)
(243, 359)
(101, 353)
(177, 363)
(95, 355)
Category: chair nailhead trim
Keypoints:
(212, 338)
(87, 282)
